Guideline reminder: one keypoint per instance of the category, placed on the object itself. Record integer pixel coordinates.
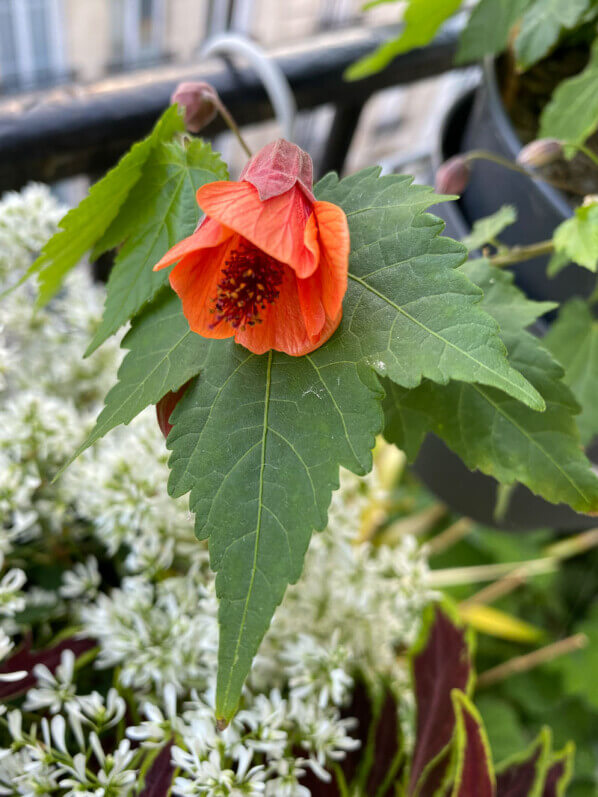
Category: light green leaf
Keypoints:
(578, 669)
(408, 310)
(258, 442)
(506, 731)
(557, 263)
(161, 210)
(489, 430)
(577, 237)
(573, 340)
(163, 355)
(542, 25)
(488, 28)
(485, 230)
(572, 113)
(421, 20)
(84, 225)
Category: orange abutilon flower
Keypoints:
(268, 263)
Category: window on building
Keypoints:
(31, 43)
(138, 32)
(230, 15)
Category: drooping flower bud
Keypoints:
(200, 101)
(540, 153)
(277, 167)
(453, 175)
(165, 408)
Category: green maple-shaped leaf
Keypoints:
(258, 442)
(489, 430)
(160, 211)
(573, 339)
(84, 225)
(408, 310)
(542, 25)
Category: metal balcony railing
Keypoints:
(74, 130)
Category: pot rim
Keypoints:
(505, 128)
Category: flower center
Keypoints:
(249, 284)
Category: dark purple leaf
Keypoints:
(26, 659)
(559, 772)
(441, 662)
(474, 774)
(158, 779)
(523, 774)
(387, 746)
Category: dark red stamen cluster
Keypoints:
(249, 284)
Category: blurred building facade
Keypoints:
(43, 42)
(47, 42)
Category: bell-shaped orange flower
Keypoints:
(268, 263)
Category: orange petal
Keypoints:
(276, 225)
(310, 299)
(333, 231)
(195, 279)
(283, 327)
(209, 233)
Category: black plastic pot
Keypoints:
(478, 121)
(540, 207)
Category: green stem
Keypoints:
(482, 154)
(232, 126)
(517, 254)
(587, 152)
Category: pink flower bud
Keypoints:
(200, 101)
(453, 175)
(540, 152)
(277, 167)
(165, 408)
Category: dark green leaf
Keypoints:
(160, 211)
(573, 339)
(489, 430)
(408, 310)
(258, 441)
(84, 225)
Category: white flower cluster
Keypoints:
(130, 575)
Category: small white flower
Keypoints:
(82, 581)
(158, 727)
(12, 599)
(93, 710)
(53, 691)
